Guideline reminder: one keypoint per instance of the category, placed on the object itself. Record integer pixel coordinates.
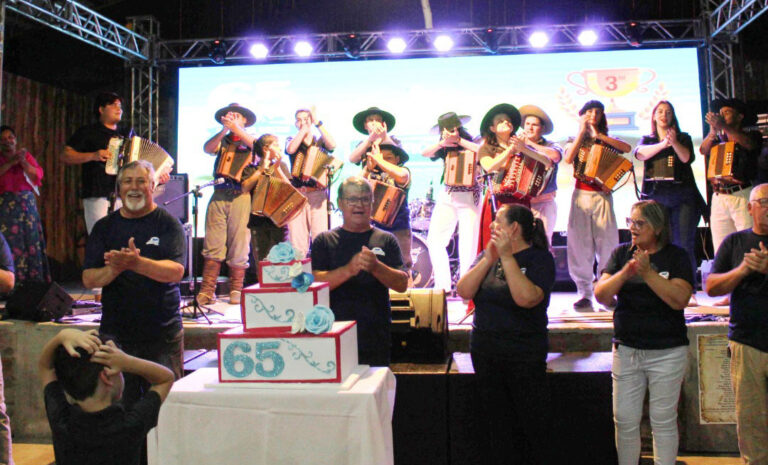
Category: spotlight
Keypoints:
(351, 44)
(587, 37)
(396, 45)
(491, 40)
(303, 48)
(443, 43)
(538, 39)
(218, 52)
(259, 50)
(635, 34)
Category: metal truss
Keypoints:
(82, 23)
(721, 83)
(506, 39)
(145, 82)
(729, 17)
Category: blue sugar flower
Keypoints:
(281, 253)
(319, 319)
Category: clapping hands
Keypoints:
(365, 260)
(757, 260)
(124, 259)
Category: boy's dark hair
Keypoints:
(5, 127)
(104, 99)
(78, 376)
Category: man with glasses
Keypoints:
(361, 263)
(741, 268)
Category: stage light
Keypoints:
(259, 50)
(218, 52)
(491, 39)
(587, 37)
(303, 48)
(443, 43)
(396, 45)
(538, 39)
(635, 34)
(351, 44)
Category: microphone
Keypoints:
(215, 182)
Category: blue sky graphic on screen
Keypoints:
(417, 91)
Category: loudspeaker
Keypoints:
(177, 185)
(38, 301)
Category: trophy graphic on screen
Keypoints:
(612, 84)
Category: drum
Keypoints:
(421, 213)
(421, 273)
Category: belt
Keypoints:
(731, 189)
(306, 189)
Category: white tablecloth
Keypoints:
(222, 425)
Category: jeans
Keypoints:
(749, 377)
(684, 214)
(661, 372)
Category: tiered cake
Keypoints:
(272, 345)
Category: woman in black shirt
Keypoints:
(510, 283)
(653, 281)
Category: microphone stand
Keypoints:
(492, 196)
(193, 284)
(329, 172)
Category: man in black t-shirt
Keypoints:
(137, 255)
(95, 428)
(361, 263)
(741, 268)
(88, 147)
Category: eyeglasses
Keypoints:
(762, 202)
(636, 223)
(358, 200)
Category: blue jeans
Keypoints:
(683, 206)
(661, 372)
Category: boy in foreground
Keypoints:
(83, 382)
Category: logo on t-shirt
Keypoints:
(378, 251)
(154, 240)
(523, 270)
(664, 274)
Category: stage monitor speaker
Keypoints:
(39, 301)
(177, 185)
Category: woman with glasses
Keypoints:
(510, 284)
(652, 280)
(667, 154)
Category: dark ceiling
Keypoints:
(43, 54)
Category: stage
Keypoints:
(580, 345)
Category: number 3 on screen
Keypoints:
(263, 351)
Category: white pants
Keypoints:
(546, 210)
(94, 209)
(310, 222)
(591, 231)
(661, 372)
(450, 209)
(729, 214)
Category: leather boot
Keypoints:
(207, 292)
(236, 276)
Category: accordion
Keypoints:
(276, 199)
(525, 176)
(460, 168)
(725, 163)
(232, 162)
(662, 169)
(387, 201)
(313, 166)
(600, 166)
(123, 150)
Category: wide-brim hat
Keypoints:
(533, 110)
(250, 117)
(449, 120)
(750, 117)
(359, 120)
(505, 108)
(401, 154)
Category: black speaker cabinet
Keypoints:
(39, 301)
(177, 185)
